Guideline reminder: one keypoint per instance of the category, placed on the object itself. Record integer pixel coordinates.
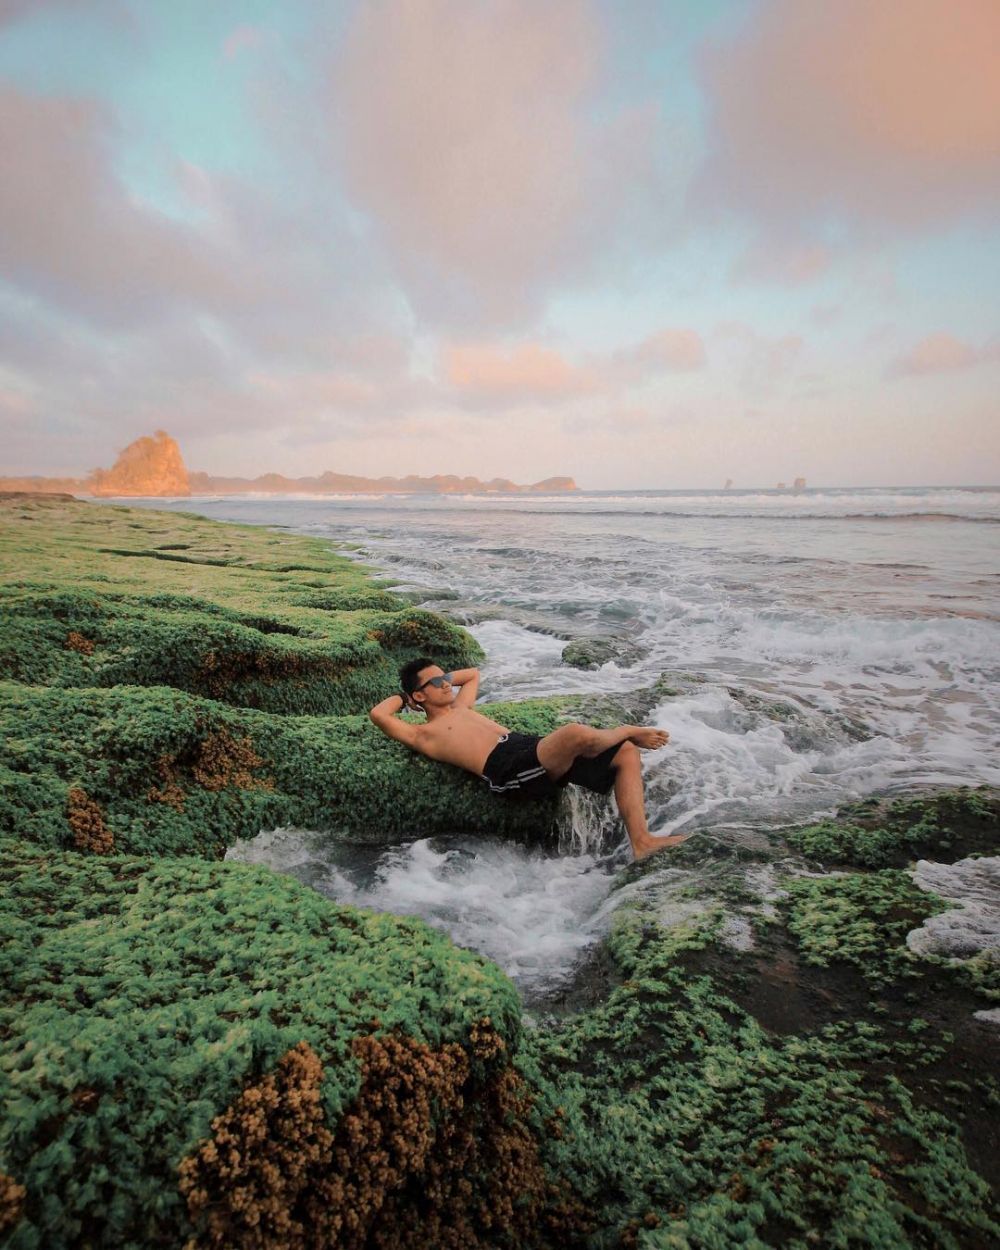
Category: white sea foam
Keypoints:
(534, 913)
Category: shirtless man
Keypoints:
(516, 765)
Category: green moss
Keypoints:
(191, 683)
(138, 997)
(232, 618)
(981, 973)
(683, 1123)
(860, 919)
(143, 754)
(878, 833)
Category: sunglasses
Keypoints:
(436, 682)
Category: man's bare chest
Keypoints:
(461, 733)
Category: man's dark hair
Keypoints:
(410, 672)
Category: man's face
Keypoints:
(435, 695)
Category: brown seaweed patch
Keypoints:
(425, 1156)
(77, 642)
(223, 761)
(86, 819)
(220, 669)
(482, 1184)
(249, 1183)
(218, 762)
(171, 792)
(12, 1197)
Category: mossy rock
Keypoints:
(859, 918)
(214, 1051)
(683, 1123)
(94, 596)
(593, 653)
(944, 825)
(285, 663)
(170, 773)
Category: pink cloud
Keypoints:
(317, 391)
(15, 402)
(279, 275)
(524, 371)
(885, 114)
(468, 134)
(942, 353)
(668, 351)
(11, 10)
(532, 372)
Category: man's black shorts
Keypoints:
(512, 770)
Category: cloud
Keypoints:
(668, 351)
(11, 10)
(531, 372)
(525, 371)
(256, 275)
(879, 115)
(942, 353)
(469, 133)
(72, 234)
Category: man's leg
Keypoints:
(630, 797)
(558, 750)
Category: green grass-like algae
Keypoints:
(139, 995)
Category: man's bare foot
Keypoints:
(648, 738)
(651, 844)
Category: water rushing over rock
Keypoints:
(534, 912)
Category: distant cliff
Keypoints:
(153, 466)
(337, 483)
(147, 467)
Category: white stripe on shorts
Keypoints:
(528, 774)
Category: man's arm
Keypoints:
(384, 715)
(467, 680)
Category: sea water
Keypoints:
(825, 645)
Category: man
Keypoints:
(516, 765)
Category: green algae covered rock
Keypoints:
(943, 825)
(682, 1121)
(339, 664)
(170, 773)
(861, 919)
(92, 596)
(198, 1053)
(141, 999)
(591, 653)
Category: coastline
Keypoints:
(223, 673)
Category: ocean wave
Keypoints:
(762, 516)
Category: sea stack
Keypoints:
(149, 466)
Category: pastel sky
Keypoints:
(646, 243)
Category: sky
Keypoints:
(643, 243)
